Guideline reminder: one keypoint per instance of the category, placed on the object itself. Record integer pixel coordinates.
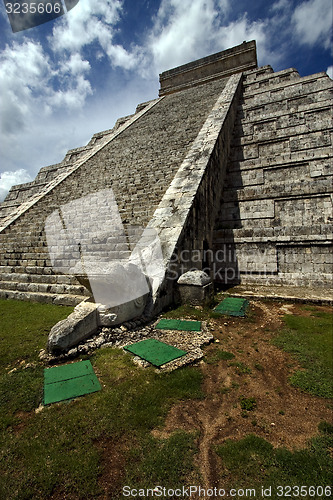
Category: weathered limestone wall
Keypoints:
(138, 164)
(232, 170)
(184, 219)
(274, 224)
(220, 65)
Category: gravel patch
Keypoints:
(134, 331)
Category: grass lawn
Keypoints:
(310, 340)
(254, 462)
(103, 441)
(57, 449)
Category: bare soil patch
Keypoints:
(283, 415)
(112, 466)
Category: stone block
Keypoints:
(80, 324)
(195, 287)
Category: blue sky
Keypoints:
(67, 79)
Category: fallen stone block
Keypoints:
(80, 324)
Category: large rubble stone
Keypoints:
(195, 278)
(195, 287)
(80, 324)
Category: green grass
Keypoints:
(309, 339)
(133, 402)
(24, 329)
(56, 450)
(241, 368)
(164, 462)
(259, 367)
(187, 311)
(248, 404)
(217, 355)
(253, 462)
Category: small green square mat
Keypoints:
(155, 352)
(65, 372)
(232, 306)
(179, 324)
(69, 381)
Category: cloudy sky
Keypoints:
(69, 78)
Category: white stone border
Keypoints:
(170, 216)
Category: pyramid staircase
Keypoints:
(239, 158)
(35, 280)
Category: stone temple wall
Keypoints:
(138, 165)
(233, 173)
(275, 221)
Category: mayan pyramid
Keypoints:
(230, 165)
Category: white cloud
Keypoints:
(313, 22)
(120, 57)
(184, 30)
(25, 70)
(41, 87)
(75, 65)
(241, 30)
(329, 71)
(42, 84)
(93, 21)
(33, 80)
(49, 137)
(26, 81)
(281, 5)
(8, 179)
(72, 98)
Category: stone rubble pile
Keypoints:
(132, 332)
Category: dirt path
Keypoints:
(283, 415)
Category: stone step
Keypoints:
(267, 103)
(279, 159)
(255, 75)
(244, 113)
(313, 280)
(269, 189)
(20, 193)
(319, 135)
(47, 174)
(265, 79)
(35, 284)
(26, 277)
(238, 177)
(289, 80)
(73, 155)
(30, 270)
(229, 231)
(48, 298)
(58, 289)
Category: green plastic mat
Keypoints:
(156, 352)
(179, 324)
(69, 381)
(232, 306)
(64, 372)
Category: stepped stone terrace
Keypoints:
(229, 168)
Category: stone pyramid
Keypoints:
(229, 169)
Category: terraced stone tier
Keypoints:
(236, 166)
(137, 160)
(275, 222)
